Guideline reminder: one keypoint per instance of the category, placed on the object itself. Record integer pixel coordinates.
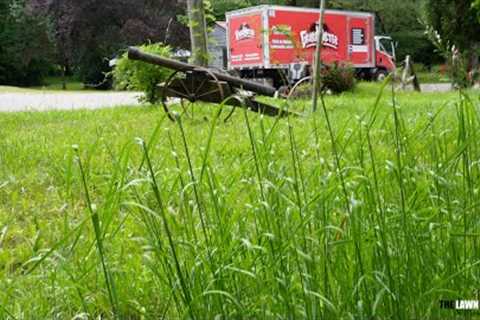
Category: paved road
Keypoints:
(44, 101)
(437, 87)
(432, 87)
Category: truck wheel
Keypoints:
(381, 75)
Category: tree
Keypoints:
(476, 7)
(198, 32)
(87, 33)
(456, 23)
(60, 29)
(24, 45)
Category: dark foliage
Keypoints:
(24, 45)
(457, 24)
(418, 46)
(88, 33)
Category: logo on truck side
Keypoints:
(244, 32)
(309, 37)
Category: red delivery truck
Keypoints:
(266, 39)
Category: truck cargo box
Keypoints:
(272, 37)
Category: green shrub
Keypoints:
(338, 78)
(137, 75)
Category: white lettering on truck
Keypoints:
(309, 37)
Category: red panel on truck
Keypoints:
(293, 35)
(361, 40)
(246, 40)
(288, 35)
(297, 31)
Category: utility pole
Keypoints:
(318, 57)
(198, 32)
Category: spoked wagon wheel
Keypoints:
(301, 89)
(191, 87)
(228, 93)
(237, 101)
(167, 91)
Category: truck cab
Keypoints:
(385, 57)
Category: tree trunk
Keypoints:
(291, 3)
(64, 80)
(198, 32)
(65, 67)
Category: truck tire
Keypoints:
(380, 75)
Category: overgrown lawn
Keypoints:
(367, 211)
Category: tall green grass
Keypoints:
(365, 210)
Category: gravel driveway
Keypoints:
(45, 101)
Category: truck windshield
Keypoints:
(386, 45)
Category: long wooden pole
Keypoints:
(318, 57)
(198, 32)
